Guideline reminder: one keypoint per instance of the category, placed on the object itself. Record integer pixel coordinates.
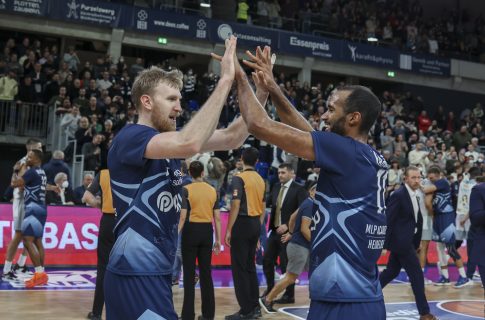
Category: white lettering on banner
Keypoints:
(69, 237)
(168, 24)
(50, 240)
(3, 225)
(314, 45)
(403, 315)
(85, 231)
(110, 12)
(31, 6)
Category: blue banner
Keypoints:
(30, 7)
(370, 55)
(426, 64)
(160, 22)
(305, 45)
(247, 36)
(94, 12)
(168, 23)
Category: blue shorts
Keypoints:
(138, 297)
(328, 310)
(444, 228)
(34, 221)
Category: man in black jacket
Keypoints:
(285, 198)
(404, 229)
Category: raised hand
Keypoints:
(262, 63)
(227, 61)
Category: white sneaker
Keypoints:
(476, 275)
(427, 281)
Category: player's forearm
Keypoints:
(204, 123)
(287, 112)
(253, 113)
(217, 223)
(229, 138)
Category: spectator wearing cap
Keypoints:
(8, 86)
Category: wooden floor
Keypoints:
(67, 305)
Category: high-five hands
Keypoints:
(227, 61)
(262, 62)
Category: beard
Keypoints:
(339, 126)
(161, 122)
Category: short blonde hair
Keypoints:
(148, 79)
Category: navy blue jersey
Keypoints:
(35, 183)
(147, 200)
(442, 198)
(349, 223)
(305, 210)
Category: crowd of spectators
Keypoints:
(92, 103)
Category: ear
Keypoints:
(146, 101)
(354, 119)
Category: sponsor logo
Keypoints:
(141, 23)
(224, 31)
(72, 6)
(355, 56)
(165, 202)
(201, 33)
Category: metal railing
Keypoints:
(24, 119)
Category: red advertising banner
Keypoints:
(71, 235)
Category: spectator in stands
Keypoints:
(8, 86)
(26, 91)
(92, 90)
(461, 138)
(84, 134)
(98, 127)
(65, 196)
(39, 81)
(71, 59)
(81, 101)
(92, 153)
(65, 107)
(14, 65)
(242, 11)
(424, 121)
(69, 122)
(52, 87)
(55, 165)
(58, 99)
(418, 156)
(105, 82)
(79, 191)
(136, 68)
(91, 109)
(387, 141)
(108, 130)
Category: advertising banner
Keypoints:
(426, 64)
(354, 52)
(71, 235)
(30, 7)
(306, 45)
(247, 36)
(169, 23)
(94, 12)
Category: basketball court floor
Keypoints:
(69, 295)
